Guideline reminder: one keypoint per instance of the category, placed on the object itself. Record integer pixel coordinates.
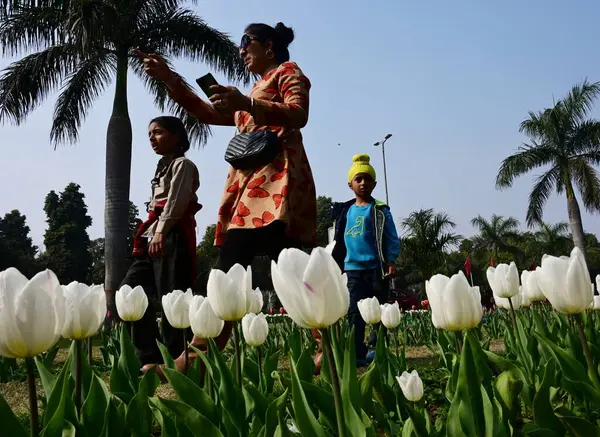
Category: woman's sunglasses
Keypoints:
(246, 40)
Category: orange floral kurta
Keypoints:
(284, 190)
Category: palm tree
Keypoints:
(429, 236)
(553, 239)
(564, 138)
(79, 48)
(495, 234)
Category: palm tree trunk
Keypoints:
(576, 224)
(118, 173)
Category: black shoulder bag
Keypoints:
(250, 150)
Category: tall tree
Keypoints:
(553, 239)
(83, 46)
(324, 221)
(429, 236)
(566, 139)
(66, 239)
(16, 247)
(495, 234)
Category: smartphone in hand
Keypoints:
(205, 82)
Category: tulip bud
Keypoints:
(86, 310)
(32, 313)
(131, 303)
(176, 306)
(312, 288)
(518, 300)
(504, 280)
(390, 317)
(230, 294)
(255, 329)
(256, 301)
(455, 305)
(566, 282)
(595, 306)
(411, 385)
(329, 248)
(370, 310)
(203, 320)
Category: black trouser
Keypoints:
(160, 276)
(241, 246)
(363, 284)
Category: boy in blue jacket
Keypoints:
(366, 248)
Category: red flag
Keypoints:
(468, 269)
(492, 262)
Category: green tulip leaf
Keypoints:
(10, 423)
(199, 425)
(305, 365)
(269, 366)
(55, 399)
(139, 415)
(305, 419)
(543, 413)
(167, 424)
(577, 426)
(321, 399)
(418, 423)
(250, 369)
(259, 401)
(167, 358)
(191, 394)
(47, 378)
(128, 361)
(274, 411)
(365, 387)
(351, 399)
(96, 400)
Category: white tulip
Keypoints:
(32, 313)
(85, 310)
(370, 310)
(204, 322)
(132, 303)
(504, 279)
(311, 288)
(595, 304)
(455, 305)
(176, 306)
(566, 282)
(531, 288)
(411, 385)
(518, 300)
(256, 302)
(598, 283)
(390, 316)
(255, 329)
(230, 294)
(329, 248)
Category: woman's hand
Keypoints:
(155, 249)
(229, 99)
(155, 66)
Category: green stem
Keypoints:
(89, 350)
(592, 369)
(458, 335)
(209, 387)
(238, 358)
(186, 352)
(261, 383)
(512, 315)
(78, 379)
(33, 404)
(337, 393)
(397, 341)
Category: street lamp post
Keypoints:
(382, 144)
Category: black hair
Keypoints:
(175, 126)
(280, 36)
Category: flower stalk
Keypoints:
(592, 369)
(335, 380)
(238, 357)
(33, 404)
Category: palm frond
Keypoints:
(586, 179)
(32, 29)
(580, 100)
(82, 88)
(522, 162)
(542, 189)
(585, 137)
(197, 132)
(25, 83)
(183, 34)
(535, 125)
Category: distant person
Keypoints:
(366, 248)
(272, 205)
(164, 247)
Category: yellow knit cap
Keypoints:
(361, 164)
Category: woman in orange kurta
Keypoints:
(267, 209)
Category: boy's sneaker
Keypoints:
(370, 356)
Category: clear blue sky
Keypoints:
(451, 80)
